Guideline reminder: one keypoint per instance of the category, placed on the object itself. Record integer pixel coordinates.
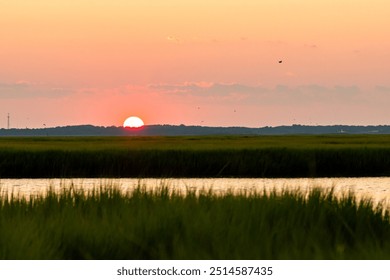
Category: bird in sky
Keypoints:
(280, 61)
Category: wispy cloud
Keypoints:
(25, 89)
(277, 94)
(206, 89)
(383, 89)
(173, 39)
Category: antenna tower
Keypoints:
(8, 121)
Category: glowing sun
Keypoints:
(133, 122)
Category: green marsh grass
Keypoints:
(106, 223)
(201, 156)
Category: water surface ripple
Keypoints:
(376, 188)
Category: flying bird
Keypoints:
(280, 61)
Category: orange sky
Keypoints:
(65, 62)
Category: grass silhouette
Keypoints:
(163, 224)
(206, 156)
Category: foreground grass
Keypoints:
(106, 224)
(206, 156)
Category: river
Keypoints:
(376, 188)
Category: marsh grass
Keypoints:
(234, 156)
(105, 223)
(270, 162)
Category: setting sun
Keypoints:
(133, 122)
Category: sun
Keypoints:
(133, 122)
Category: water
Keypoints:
(376, 188)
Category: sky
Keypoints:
(194, 62)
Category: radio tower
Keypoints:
(8, 121)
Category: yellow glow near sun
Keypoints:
(133, 122)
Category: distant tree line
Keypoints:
(173, 130)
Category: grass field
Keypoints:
(107, 224)
(204, 156)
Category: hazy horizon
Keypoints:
(196, 125)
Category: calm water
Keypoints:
(377, 188)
